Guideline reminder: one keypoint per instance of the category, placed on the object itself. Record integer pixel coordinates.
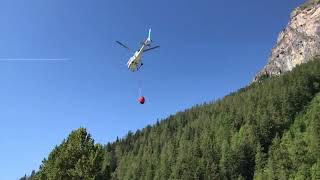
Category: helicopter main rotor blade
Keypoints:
(151, 48)
(121, 44)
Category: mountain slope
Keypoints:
(220, 140)
(253, 133)
(297, 154)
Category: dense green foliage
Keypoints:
(268, 130)
(75, 159)
(297, 154)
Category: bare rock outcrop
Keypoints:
(297, 43)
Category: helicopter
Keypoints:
(134, 63)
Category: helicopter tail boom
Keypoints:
(148, 41)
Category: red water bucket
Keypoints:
(141, 100)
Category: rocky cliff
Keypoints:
(297, 43)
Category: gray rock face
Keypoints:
(297, 43)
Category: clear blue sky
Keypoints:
(209, 48)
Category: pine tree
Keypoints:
(76, 158)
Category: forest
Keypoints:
(267, 130)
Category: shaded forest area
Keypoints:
(268, 130)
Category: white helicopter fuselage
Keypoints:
(135, 61)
